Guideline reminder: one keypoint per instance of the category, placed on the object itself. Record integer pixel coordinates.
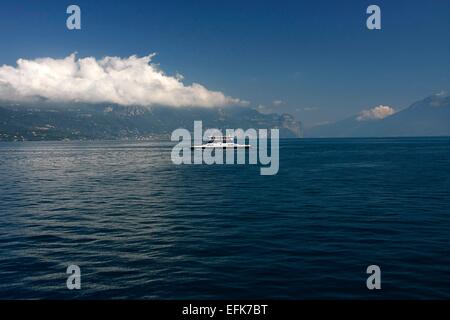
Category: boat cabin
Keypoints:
(220, 139)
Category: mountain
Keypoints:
(428, 117)
(106, 121)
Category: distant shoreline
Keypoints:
(167, 139)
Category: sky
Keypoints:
(314, 59)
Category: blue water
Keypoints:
(140, 227)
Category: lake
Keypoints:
(140, 227)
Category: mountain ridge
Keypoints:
(426, 117)
(112, 121)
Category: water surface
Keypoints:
(141, 227)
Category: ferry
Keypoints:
(221, 142)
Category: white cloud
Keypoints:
(278, 102)
(376, 113)
(264, 109)
(126, 81)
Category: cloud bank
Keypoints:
(126, 81)
(375, 113)
(278, 102)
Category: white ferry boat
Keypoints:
(222, 142)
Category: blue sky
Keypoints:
(317, 57)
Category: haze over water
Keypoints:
(141, 227)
